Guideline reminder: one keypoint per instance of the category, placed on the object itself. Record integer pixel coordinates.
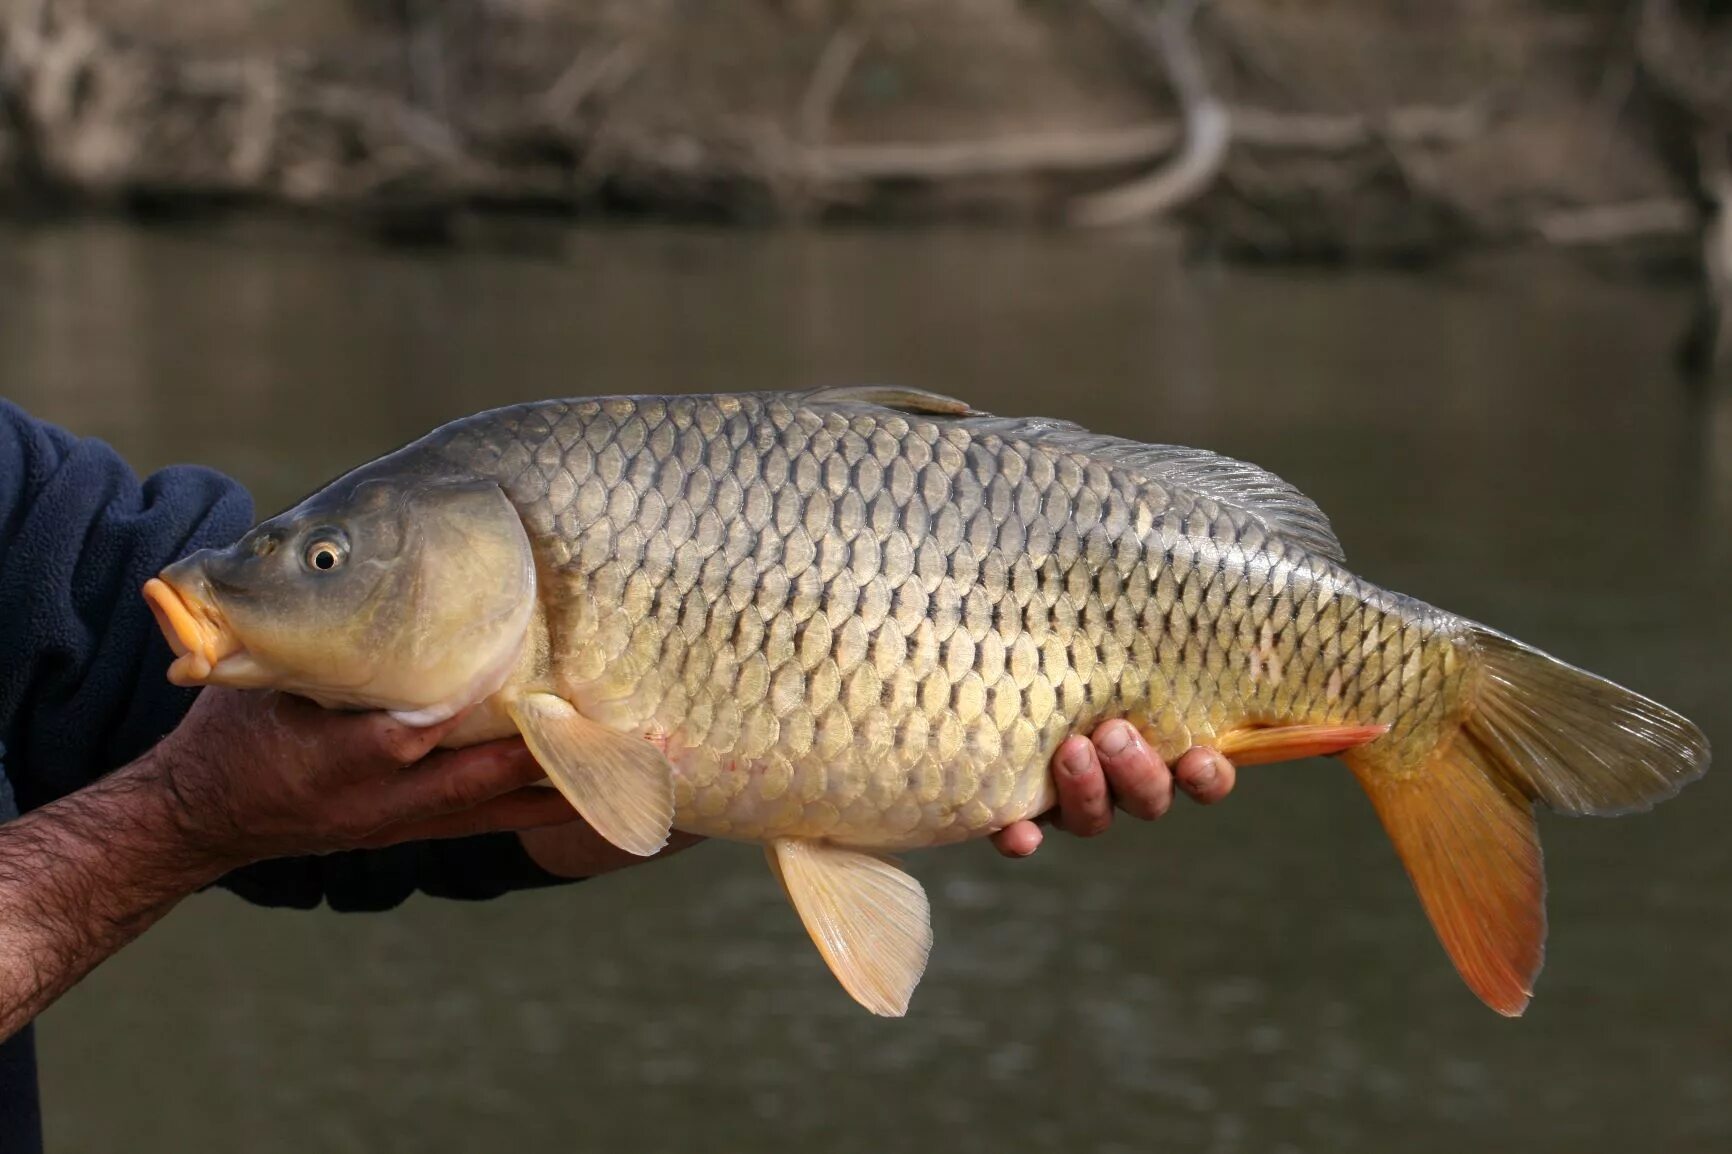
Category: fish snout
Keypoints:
(180, 600)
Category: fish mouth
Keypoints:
(201, 640)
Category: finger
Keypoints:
(1085, 808)
(1205, 774)
(1019, 839)
(361, 744)
(402, 744)
(1137, 776)
(455, 780)
(530, 807)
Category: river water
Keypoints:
(1501, 439)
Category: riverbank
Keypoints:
(1338, 131)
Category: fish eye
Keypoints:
(326, 552)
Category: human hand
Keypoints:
(258, 775)
(1117, 765)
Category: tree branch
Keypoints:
(829, 76)
(1208, 124)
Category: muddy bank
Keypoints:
(1335, 130)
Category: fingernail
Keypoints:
(1205, 776)
(1116, 739)
(1075, 760)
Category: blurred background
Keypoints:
(1453, 267)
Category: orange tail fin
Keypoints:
(1469, 844)
(1462, 822)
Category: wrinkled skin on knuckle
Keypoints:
(352, 824)
(1137, 778)
(1156, 794)
(1088, 813)
(1205, 775)
(460, 791)
(304, 800)
(399, 744)
(1093, 825)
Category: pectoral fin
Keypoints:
(621, 784)
(868, 918)
(1291, 742)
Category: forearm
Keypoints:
(82, 877)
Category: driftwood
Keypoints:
(1088, 153)
(593, 75)
(1618, 223)
(1081, 153)
(1208, 124)
(828, 78)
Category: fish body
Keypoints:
(861, 620)
(874, 627)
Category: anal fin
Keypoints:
(622, 785)
(867, 917)
(1257, 746)
(1472, 850)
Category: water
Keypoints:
(1504, 441)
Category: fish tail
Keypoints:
(1535, 729)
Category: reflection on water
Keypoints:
(1504, 442)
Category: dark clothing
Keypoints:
(83, 687)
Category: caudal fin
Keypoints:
(1537, 730)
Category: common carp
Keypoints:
(860, 620)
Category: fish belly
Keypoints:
(849, 803)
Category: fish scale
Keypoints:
(875, 627)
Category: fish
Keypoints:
(857, 621)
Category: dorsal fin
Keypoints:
(1283, 509)
(890, 397)
(1286, 511)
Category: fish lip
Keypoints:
(194, 628)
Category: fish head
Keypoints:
(407, 593)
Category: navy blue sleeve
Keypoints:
(82, 665)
